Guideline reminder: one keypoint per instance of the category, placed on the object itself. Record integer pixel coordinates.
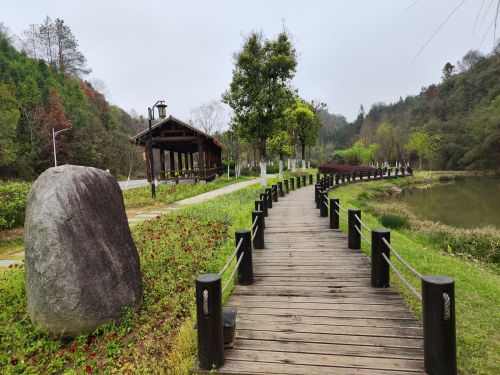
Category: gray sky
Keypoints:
(350, 52)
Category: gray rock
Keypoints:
(82, 267)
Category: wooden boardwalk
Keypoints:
(312, 310)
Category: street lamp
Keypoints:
(162, 112)
(54, 134)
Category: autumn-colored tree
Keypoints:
(50, 117)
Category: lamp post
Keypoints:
(54, 134)
(162, 113)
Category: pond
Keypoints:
(467, 202)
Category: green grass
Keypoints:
(159, 338)
(477, 285)
(11, 246)
(141, 197)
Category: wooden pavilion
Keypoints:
(191, 153)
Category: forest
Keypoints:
(452, 125)
(43, 87)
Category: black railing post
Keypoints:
(245, 271)
(298, 182)
(209, 321)
(334, 216)
(354, 239)
(323, 198)
(287, 189)
(269, 192)
(263, 199)
(258, 240)
(280, 187)
(259, 206)
(380, 269)
(336, 179)
(304, 180)
(438, 315)
(316, 194)
(310, 179)
(388, 172)
(292, 183)
(318, 176)
(274, 191)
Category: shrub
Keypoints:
(332, 168)
(394, 221)
(12, 203)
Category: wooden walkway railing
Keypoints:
(306, 304)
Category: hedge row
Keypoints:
(12, 203)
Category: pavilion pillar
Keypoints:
(172, 163)
(162, 163)
(179, 162)
(201, 159)
(191, 161)
(148, 166)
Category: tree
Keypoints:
(448, 71)
(358, 153)
(280, 144)
(9, 118)
(421, 143)
(470, 58)
(304, 124)
(54, 42)
(53, 117)
(386, 140)
(260, 90)
(209, 117)
(70, 59)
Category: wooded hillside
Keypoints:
(39, 94)
(452, 125)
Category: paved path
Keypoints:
(312, 309)
(141, 217)
(133, 184)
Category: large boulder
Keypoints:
(82, 267)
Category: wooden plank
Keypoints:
(325, 338)
(236, 367)
(330, 348)
(332, 360)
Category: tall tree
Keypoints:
(54, 42)
(260, 89)
(69, 59)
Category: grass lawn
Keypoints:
(477, 285)
(159, 338)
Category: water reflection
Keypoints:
(467, 202)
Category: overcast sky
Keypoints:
(350, 52)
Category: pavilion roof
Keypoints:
(142, 137)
